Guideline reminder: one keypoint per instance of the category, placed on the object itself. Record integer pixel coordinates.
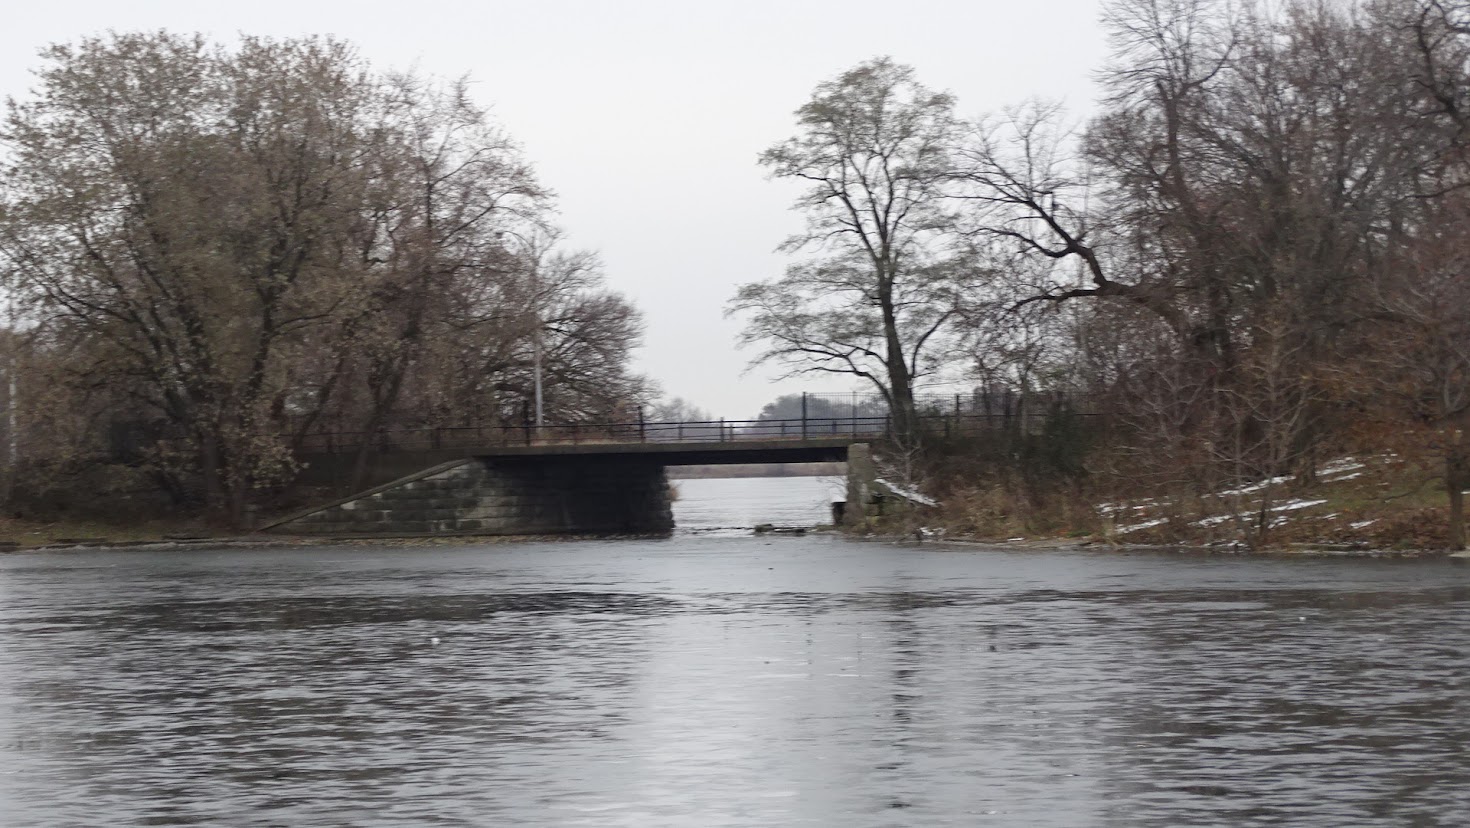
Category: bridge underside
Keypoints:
(541, 489)
(825, 450)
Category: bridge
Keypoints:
(582, 478)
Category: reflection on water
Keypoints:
(729, 681)
(731, 506)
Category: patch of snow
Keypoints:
(1341, 478)
(1106, 509)
(1342, 464)
(1213, 520)
(1360, 524)
(1293, 505)
(907, 494)
(1255, 487)
(1148, 524)
(1287, 506)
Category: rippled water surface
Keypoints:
(711, 681)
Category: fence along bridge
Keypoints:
(653, 436)
(586, 477)
(829, 416)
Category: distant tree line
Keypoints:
(1257, 252)
(212, 251)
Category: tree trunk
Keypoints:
(237, 506)
(1457, 478)
(360, 461)
(900, 381)
(385, 397)
(905, 418)
(209, 469)
(1457, 517)
(225, 489)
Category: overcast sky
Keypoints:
(646, 117)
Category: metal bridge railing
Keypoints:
(703, 431)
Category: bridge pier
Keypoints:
(861, 486)
(504, 496)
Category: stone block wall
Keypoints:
(505, 496)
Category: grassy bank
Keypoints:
(31, 533)
(1378, 502)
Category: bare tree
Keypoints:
(179, 206)
(1419, 354)
(1438, 34)
(548, 318)
(678, 409)
(873, 150)
(1246, 173)
(450, 183)
(225, 248)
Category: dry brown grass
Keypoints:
(29, 533)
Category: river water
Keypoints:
(730, 681)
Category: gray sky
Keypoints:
(646, 116)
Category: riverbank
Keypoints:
(20, 533)
(263, 541)
(1356, 508)
(1096, 545)
(1039, 545)
(1352, 505)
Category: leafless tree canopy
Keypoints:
(1254, 250)
(215, 250)
(878, 287)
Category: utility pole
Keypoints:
(537, 347)
(11, 428)
(536, 366)
(12, 431)
(532, 250)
